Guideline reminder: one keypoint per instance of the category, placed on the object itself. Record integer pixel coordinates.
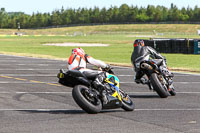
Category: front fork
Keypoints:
(168, 82)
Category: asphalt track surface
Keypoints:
(31, 101)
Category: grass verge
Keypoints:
(120, 38)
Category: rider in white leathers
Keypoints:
(78, 61)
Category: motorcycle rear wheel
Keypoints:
(83, 97)
(158, 87)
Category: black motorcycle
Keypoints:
(91, 99)
(159, 77)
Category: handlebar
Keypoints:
(108, 69)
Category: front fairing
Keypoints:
(114, 82)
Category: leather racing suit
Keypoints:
(79, 62)
(142, 53)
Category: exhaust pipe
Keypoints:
(146, 66)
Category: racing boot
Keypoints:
(98, 84)
(104, 97)
(142, 81)
(137, 81)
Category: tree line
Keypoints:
(114, 14)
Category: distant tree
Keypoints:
(3, 18)
(47, 19)
(196, 14)
(65, 16)
(33, 21)
(95, 15)
(23, 20)
(123, 13)
(110, 14)
(157, 16)
(104, 16)
(55, 18)
(83, 16)
(151, 12)
(164, 14)
(133, 12)
(142, 16)
(174, 13)
(115, 14)
(183, 15)
(12, 23)
(190, 13)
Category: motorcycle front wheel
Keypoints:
(86, 99)
(127, 103)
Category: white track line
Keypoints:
(187, 73)
(130, 93)
(27, 61)
(127, 68)
(195, 109)
(30, 82)
(174, 76)
(186, 82)
(51, 75)
(45, 110)
(49, 110)
(173, 82)
(28, 69)
(122, 67)
(19, 82)
(39, 69)
(35, 92)
(30, 57)
(30, 75)
(34, 64)
(46, 75)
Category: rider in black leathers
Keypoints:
(142, 53)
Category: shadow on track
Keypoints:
(67, 111)
(144, 96)
(56, 111)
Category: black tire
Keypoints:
(90, 105)
(158, 87)
(127, 103)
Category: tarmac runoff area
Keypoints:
(31, 100)
(78, 44)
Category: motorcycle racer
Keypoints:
(142, 53)
(78, 61)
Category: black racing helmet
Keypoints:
(138, 42)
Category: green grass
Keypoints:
(120, 38)
(127, 28)
(183, 61)
(33, 45)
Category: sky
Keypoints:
(45, 6)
